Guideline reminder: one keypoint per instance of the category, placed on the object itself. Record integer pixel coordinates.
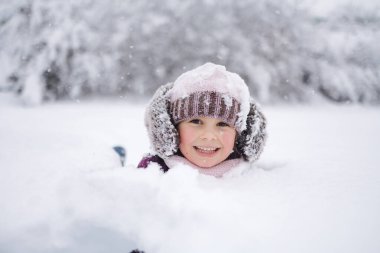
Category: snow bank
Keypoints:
(315, 189)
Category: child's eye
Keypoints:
(196, 121)
(223, 124)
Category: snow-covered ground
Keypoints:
(315, 189)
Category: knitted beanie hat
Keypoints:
(210, 91)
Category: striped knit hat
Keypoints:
(209, 91)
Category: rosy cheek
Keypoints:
(186, 136)
(228, 137)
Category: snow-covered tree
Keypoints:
(51, 49)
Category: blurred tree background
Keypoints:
(54, 50)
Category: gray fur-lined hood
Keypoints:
(164, 136)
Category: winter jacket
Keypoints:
(144, 163)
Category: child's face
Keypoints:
(206, 141)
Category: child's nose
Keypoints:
(208, 134)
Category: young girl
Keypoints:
(205, 119)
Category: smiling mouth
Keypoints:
(206, 150)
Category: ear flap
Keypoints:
(251, 141)
(163, 135)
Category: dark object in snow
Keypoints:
(122, 154)
(136, 251)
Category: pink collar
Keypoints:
(217, 171)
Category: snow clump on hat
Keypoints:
(210, 91)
